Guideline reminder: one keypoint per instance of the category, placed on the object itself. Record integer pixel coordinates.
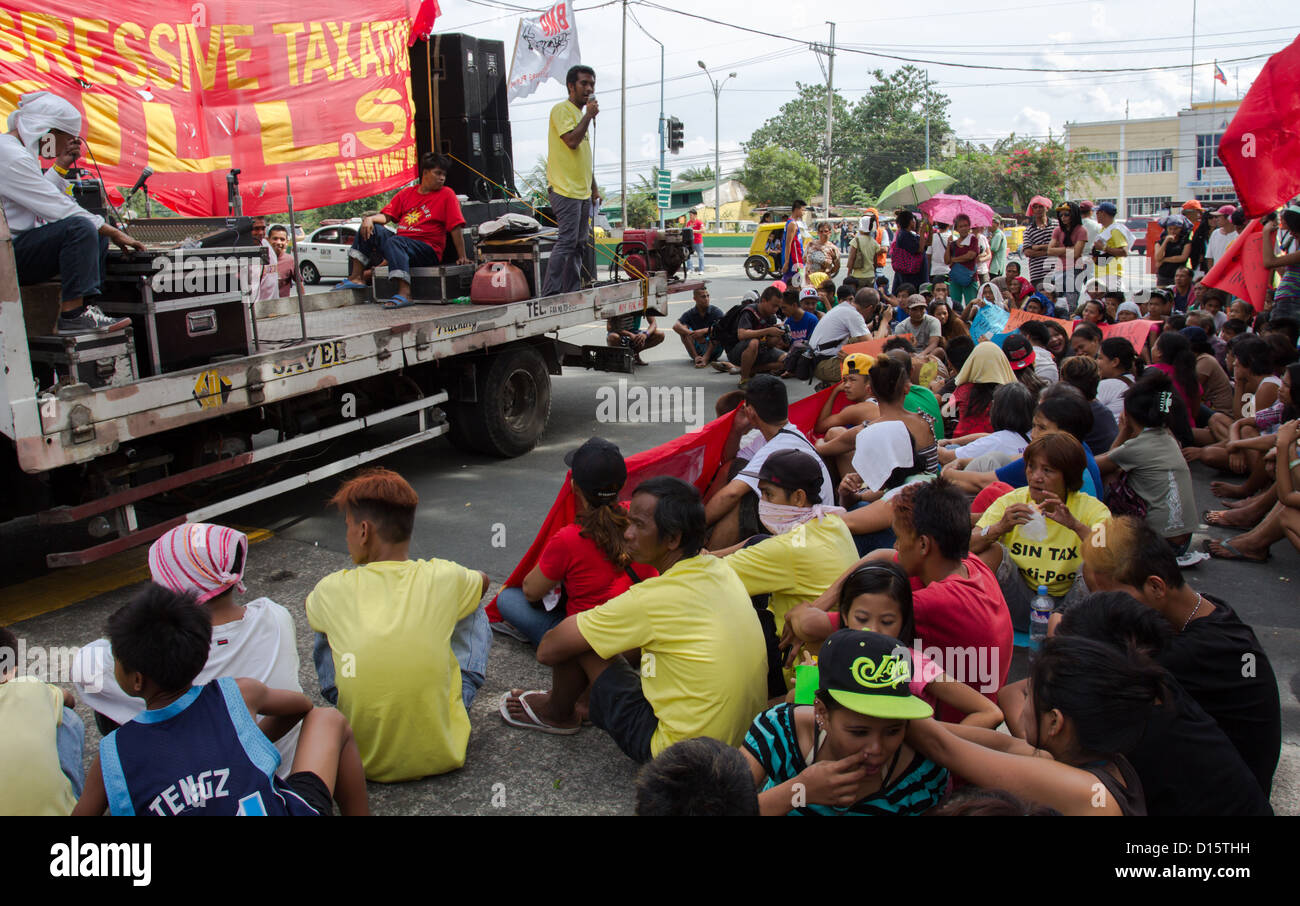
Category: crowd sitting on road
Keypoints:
(826, 628)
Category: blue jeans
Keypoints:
(471, 641)
(699, 257)
(70, 740)
(564, 270)
(401, 253)
(70, 249)
(533, 622)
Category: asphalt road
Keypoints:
(484, 513)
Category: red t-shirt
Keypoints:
(588, 577)
(427, 218)
(966, 423)
(698, 237)
(968, 621)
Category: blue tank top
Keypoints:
(201, 755)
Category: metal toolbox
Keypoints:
(437, 284)
(183, 333)
(104, 359)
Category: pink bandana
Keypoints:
(199, 557)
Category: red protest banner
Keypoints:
(1241, 272)
(1020, 316)
(319, 93)
(873, 347)
(1136, 331)
(1261, 146)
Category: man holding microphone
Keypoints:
(571, 179)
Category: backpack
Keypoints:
(904, 261)
(725, 331)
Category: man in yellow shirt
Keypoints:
(405, 640)
(1111, 247)
(571, 180)
(702, 661)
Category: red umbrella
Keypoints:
(945, 208)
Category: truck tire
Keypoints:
(514, 404)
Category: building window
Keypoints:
(1145, 205)
(1102, 201)
(1207, 151)
(1158, 161)
(1109, 158)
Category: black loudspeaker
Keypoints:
(458, 75)
(474, 144)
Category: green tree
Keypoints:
(885, 132)
(778, 176)
(1015, 169)
(696, 174)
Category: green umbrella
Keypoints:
(914, 187)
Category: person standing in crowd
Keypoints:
(1069, 249)
(937, 251)
(862, 251)
(844, 237)
(905, 253)
(960, 254)
(1172, 251)
(823, 256)
(1038, 239)
(286, 275)
(1221, 238)
(697, 239)
(997, 240)
(792, 242)
(571, 179)
(1089, 223)
(1286, 259)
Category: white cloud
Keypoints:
(1030, 121)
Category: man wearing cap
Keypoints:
(1111, 246)
(766, 408)
(844, 324)
(52, 234)
(703, 662)
(925, 328)
(694, 327)
(1221, 238)
(1089, 223)
(847, 755)
(1160, 304)
(1038, 239)
(855, 387)
(808, 547)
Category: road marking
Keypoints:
(62, 588)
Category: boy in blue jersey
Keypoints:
(198, 750)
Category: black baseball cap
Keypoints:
(1018, 351)
(868, 673)
(598, 470)
(791, 470)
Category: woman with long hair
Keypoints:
(952, 325)
(1068, 242)
(587, 562)
(1172, 356)
(906, 255)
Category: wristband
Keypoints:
(62, 171)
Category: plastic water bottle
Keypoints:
(1040, 611)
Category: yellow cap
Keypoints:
(816, 279)
(856, 363)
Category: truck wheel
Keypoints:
(756, 267)
(514, 404)
(309, 273)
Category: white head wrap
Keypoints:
(40, 111)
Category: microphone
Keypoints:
(139, 183)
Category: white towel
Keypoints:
(881, 448)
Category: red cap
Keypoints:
(985, 498)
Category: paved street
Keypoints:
(465, 498)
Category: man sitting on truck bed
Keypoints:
(425, 214)
(52, 234)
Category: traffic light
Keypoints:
(675, 141)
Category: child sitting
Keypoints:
(877, 597)
(406, 640)
(256, 639)
(699, 776)
(196, 749)
(846, 755)
(42, 734)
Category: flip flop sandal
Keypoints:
(1236, 554)
(720, 366)
(398, 301)
(348, 284)
(533, 723)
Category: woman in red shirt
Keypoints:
(981, 375)
(587, 562)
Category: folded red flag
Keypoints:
(1241, 272)
(1261, 147)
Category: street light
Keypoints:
(717, 166)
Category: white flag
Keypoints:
(545, 48)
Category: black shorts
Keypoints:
(766, 354)
(1203, 415)
(619, 707)
(313, 790)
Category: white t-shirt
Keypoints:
(1093, 228)
(982, 266)
(1218, 244)
(262, 646)
(938, 244)
(838, 324)
(997, 442)
(788, 438)
(1110, 393)
(1045, 365)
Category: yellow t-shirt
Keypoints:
(796, 566)
(703, 658)
(568, 170)
(30, 713)
(389, 626)
(1111, 266)
(1053, 562)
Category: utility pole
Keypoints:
(830, 119)
(623, 125)
(663, 129)
(1191, 91)
(925, 103)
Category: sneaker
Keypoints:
(92, 320)
(505, 628)
(1191, 558)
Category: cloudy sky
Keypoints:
(987, 103)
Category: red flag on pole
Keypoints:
(1241, 272)
(422, 25)
(1261, 148)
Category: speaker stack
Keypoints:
(458, 83)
